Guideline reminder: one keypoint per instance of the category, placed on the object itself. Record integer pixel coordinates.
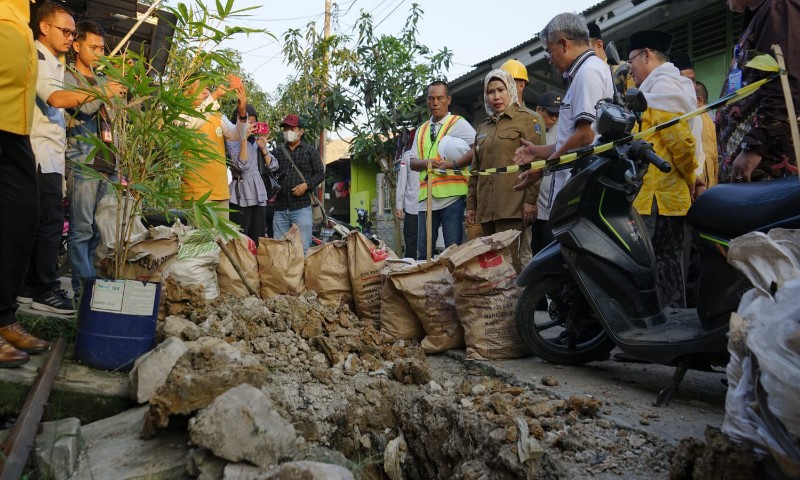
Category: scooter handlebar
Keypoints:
(644, 151)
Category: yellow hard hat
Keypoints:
(516, 69)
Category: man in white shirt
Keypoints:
(588, 80)
(449, 191)
(407, 203)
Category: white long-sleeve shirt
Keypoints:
(407, 193)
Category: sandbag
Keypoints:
(230, 282)
(105, 217)
(429, 290)
(398, 320)
(196, 263)
(486, 296)
(327, 273)
(764, 343)
(280, 265)
(365, 261)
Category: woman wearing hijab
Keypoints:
(491, 200)
(248, 193)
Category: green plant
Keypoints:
(369, 84)
(153, 147)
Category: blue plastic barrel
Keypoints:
(110, 340)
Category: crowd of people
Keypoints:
(749, 141)
(49, 114)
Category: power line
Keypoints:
(286, 19)
(390, 13)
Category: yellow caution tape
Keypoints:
(759, 62)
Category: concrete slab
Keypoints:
(114, 451)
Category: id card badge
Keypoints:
(734, 80)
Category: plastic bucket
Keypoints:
(116, 322)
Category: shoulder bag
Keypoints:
(317, 212)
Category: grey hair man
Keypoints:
(588, 80)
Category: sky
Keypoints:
(473, 29)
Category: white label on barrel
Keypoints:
(139, 298)
(107, 295)
(129, 297)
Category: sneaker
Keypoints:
(25, 295)
(54, 300)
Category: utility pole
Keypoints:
(327, 33)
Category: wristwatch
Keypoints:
(746, 147)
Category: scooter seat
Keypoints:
(733, 209)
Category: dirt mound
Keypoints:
(344, 388)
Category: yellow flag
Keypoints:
(764, 63)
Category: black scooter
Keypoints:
(598, 279)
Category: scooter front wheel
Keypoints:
(567, 332)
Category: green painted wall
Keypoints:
(363, 188)
(712, 71)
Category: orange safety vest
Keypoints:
(444, 186)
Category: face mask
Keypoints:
(291, 136)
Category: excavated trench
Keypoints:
(385, 410)
(386, 407)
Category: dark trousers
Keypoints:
(251, 219)
(42, 268)
(410, 235)
(19, 213)
(270, 215)
(541, 236)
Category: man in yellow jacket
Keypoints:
(211, 175)
(665, 197)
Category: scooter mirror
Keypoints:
(635, 100)
(612, 53)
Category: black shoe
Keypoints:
(54, 300)
(25, 295)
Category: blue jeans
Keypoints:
(450, 218)
(283, 220)
(85, 193)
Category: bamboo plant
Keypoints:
(152, 145)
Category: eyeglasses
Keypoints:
(66, 31)
(630, 60)
(547, 52)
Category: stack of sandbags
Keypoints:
(486, 296)
(420, 299)
(365, 261)
(327, 273)
(281, 264)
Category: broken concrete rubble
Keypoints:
(150, 371)
(57, 447)
(301, 470)
(241, 424)
(210, 367)
(342, 388)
